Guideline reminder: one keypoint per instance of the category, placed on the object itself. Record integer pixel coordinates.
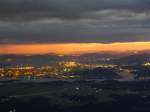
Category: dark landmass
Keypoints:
(99, 73)
(133, 59)
(78, 96)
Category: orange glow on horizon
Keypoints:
(72, 48)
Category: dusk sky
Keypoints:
(34, 23)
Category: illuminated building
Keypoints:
(146, 64)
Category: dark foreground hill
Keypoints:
(79, 96)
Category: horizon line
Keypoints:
(73, 48)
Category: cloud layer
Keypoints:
(54, 21)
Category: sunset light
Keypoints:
(73, 48)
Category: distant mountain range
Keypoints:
(133, 59)
(49, 59)
(32, 59)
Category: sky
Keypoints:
(49, 22)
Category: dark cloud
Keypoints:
(27, 21)
(54, 32)
(65, 9)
